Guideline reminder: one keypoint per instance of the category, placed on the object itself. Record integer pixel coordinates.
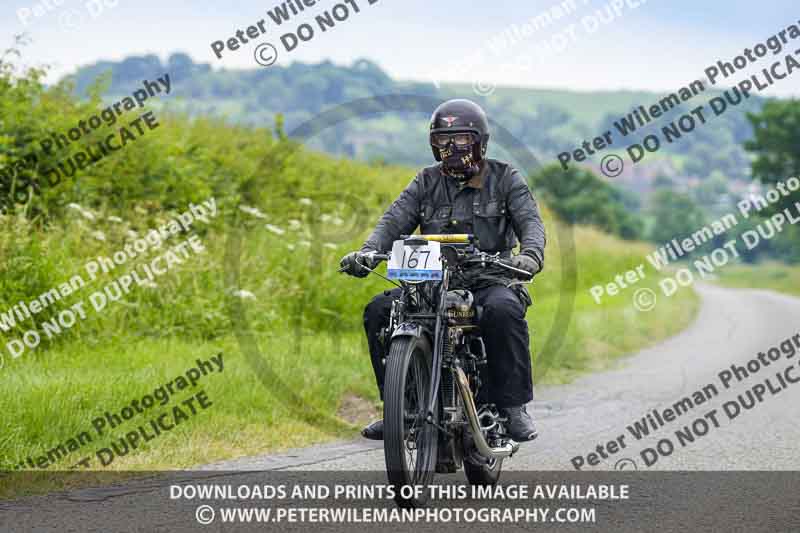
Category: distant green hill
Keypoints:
(548, 121)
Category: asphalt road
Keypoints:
(733, 326)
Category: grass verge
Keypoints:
(772, 276)
(55, 395)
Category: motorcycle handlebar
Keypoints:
(524, 275)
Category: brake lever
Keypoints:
(528, 275)
(495, 259)
(373, 271)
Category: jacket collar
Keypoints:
(476, 182)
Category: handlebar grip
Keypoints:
(379, 257)
(373, 255)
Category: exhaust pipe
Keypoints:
(472, 414)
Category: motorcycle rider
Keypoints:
(468, 193)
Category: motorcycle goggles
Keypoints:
(459, 140)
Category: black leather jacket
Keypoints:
(499, 212)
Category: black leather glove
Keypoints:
(526, 263)
(350, 264)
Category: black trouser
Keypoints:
(504, 331)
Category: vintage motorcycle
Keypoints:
(434, 419)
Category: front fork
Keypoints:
(396, 328)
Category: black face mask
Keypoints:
(459, 162)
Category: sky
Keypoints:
(659, 45)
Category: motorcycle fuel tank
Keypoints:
(460, 307)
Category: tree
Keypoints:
(580, 197)
(676, 216)
(776, 133)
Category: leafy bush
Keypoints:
(580, 197)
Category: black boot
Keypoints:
(520, 424)
(373, 431)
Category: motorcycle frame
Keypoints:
(413, 325)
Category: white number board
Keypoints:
(415, 263)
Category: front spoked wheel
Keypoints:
(410, 443)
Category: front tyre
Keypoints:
(409, 443)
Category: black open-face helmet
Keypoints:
(459, 137)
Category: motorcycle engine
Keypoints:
(460, 307)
